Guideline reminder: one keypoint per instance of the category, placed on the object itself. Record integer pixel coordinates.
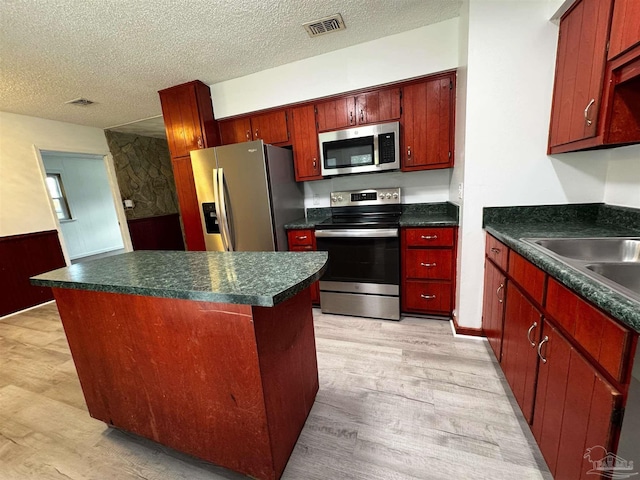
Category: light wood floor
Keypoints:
(397, 401)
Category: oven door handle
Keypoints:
(358, 233)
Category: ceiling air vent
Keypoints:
(324, 25)
(80, 102)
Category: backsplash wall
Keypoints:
(143, 168)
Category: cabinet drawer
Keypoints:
(429, 237)
(301, 248)
(497, 251)
(434, 263)
(606, 341)
(300, 237)
(428, 297)
(528, 276)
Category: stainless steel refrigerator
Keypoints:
(246, 192)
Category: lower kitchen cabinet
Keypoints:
(304, 240)
(493, 307)
(576, 408)
(522, 325)
(428, 270)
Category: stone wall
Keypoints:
(143, 168)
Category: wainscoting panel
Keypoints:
(156, 233)
(21, 257)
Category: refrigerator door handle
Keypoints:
(216, 198)
(224, 219)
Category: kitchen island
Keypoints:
(210, 353)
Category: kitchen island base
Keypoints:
(228, 383)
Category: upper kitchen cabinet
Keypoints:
(371, 107)
(595, 101)
(304, 140)
(625, 27)
(428, 123)
(271, 127)
(188, 118)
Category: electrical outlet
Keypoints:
(460, 189)
(316, 199)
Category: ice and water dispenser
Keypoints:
(210, 217)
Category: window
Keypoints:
(56, 190)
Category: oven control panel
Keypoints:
(379, 196)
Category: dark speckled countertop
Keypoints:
(251, 278)
(442, 214)
(511, 224)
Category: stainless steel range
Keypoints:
(363, 241)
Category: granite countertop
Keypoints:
(250, 278)
(606, 221)
(443, 214)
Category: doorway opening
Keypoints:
(80, 192)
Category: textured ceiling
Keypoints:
(119, 53)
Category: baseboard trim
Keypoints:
(27, 309)
(466, 331)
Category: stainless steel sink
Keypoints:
(625, 274)
(611, 261)
(614, 249)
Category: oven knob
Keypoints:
(388, 196)
(339, 198)
(395, 195)
(334, 199)
(382, 196)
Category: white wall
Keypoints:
(24, 202)
(623, 177)
(94, 226)
(409, 54)
(512, 48)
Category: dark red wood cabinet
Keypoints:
(596, 103)
(188, 117)
(270, 126)
(522, 325)
(428, 270)
(428, 124)
(304, 240)
(575, 408)
(495, 283)
(304, 140)
(381, 105)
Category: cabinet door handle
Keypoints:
(500, 300)
(408, 153)
(248, 134)
(315, 163)
(301, 237)
(200, 142)
(429, 237)
(544, 340)
(427, 297)
(534, 325)
(586, 112)
(422, 264)
(350, 118)
(495, 250)
(257, 134)
(361, 116)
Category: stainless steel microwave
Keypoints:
(370, 148)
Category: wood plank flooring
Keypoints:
(397, 401)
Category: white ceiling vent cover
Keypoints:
(80, 102)
(324, 25)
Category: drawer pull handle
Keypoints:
(429, 237)
(495, 250)
(544, 340)
(500, 300)
(303, 237)
(535, 324)
(427, 297)
(422, 264)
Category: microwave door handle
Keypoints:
(222, 189)
(216, 198)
